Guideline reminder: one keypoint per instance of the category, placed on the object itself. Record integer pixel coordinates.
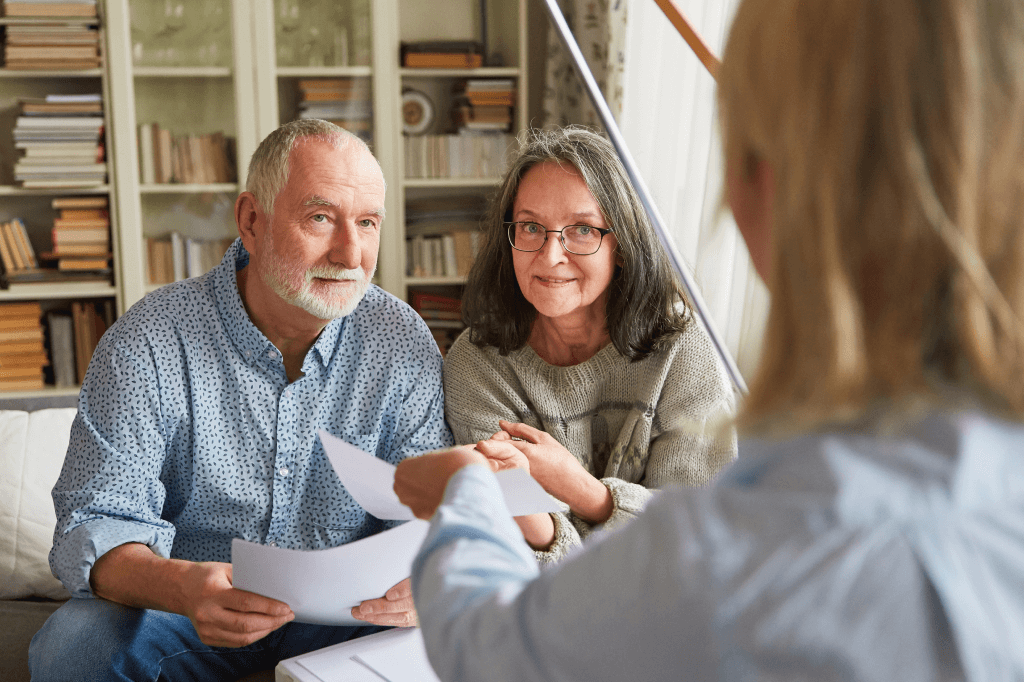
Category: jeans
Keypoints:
(94, 639)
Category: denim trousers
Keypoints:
(96, 640)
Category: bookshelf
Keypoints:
(234, 66)
(34, 206)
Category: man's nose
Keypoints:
(346, 250)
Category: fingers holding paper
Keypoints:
(420, 481)
(225, 616)
(394, 609)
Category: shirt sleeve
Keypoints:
(109, 491)
(630, 605)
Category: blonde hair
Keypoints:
(896, 132)
(268, 168)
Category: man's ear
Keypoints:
(247, 214)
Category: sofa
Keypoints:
(34, 437)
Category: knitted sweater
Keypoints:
(633, 425)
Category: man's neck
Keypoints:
(289, 333)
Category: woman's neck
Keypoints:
(564, 343)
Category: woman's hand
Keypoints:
(420, 482)
(554, 467)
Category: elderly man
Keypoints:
(197, 424)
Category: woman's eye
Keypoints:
(584, 230)
(531, 228)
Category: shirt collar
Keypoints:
(249, 340)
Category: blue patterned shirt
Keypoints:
(189, 433)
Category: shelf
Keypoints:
(47, 73)
(319, 71)
(46, 392)
(182, 71)
(12, 191)
(58, 290)
(483, 72)
(428, 281)
(42, 21)
(176, 188)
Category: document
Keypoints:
(394, 655)
(322, 586)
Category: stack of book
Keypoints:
(467, 155)
(188, 159)
(53, 44)
(342, 101)
(16, 253)
(22, 356)
(484, 104)
(61, 138)
(442, 235)
(81, 235)
(174, 257)
(443, 315)
(443, 54)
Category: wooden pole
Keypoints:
(696, 43)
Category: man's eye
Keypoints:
(366, 222)
(320, 218)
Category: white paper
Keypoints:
(394, 655)
(322, 586)
(371, 483)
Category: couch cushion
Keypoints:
(32, 449)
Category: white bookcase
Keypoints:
(242, 90)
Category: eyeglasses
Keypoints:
(582, 240)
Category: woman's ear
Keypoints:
(750, 191)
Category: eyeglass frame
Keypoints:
(561, 237)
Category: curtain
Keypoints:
(668, 119)
(600, 29)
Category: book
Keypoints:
(62, 348)
(442, 60)
(78, 202)
(21, 335)
(57, 9)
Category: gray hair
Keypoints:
(268, 168)
(643, 310)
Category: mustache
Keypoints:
(324, 272)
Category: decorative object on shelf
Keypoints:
(188, 159)
(180, 32)
(54, 44)
(22, 356)
(61, 138)
(322, 33)
(443, 54)
(417, 112)
(342, 101)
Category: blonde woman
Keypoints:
(873, 525)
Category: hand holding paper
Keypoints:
(420, 482)
(323, 586)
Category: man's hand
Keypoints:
(394, 608)
(131, 574)
(225, 616)
(420, 481)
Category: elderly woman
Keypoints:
(873, 525)
(580, 351)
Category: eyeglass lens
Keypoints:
(582, 240)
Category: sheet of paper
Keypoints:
(394, 655)
(322, 586)
(371, 482)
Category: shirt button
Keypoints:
(283, 471)
(287, 393)
(271, 354)
(272, 544)
(248, 353)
